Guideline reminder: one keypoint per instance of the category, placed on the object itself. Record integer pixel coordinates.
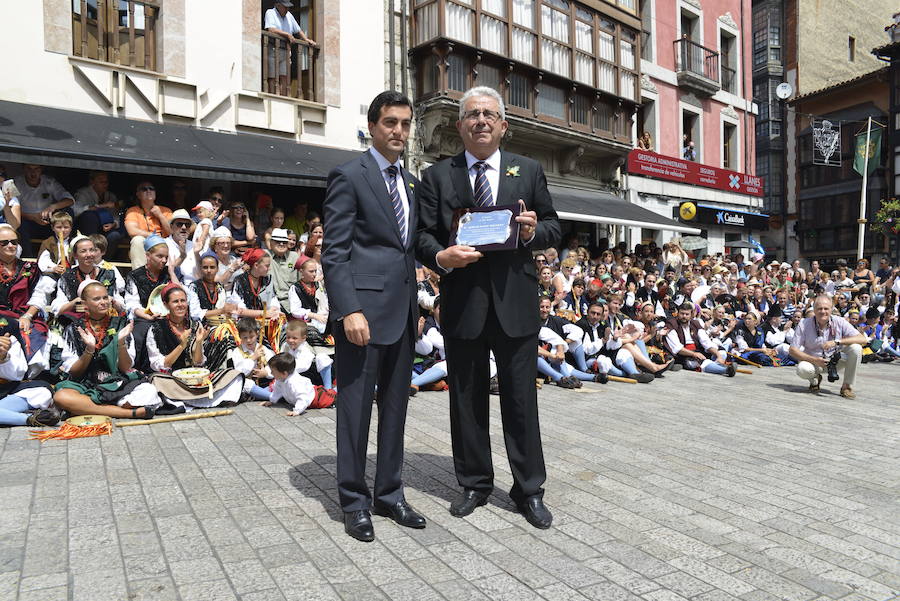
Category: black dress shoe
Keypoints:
(536, 513)
(401, 513)
(467, 503)
(358, 524)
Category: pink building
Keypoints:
(696, 92)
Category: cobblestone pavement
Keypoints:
(696, 487)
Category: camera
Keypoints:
(831, 367)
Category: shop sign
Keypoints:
(644, 162)
(691, 212)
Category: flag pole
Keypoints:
(862, 197)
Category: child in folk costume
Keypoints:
(251, 358)
(290, 386)
(54, 255)
(307, 362)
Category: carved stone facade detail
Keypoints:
(729, 111)
(728, 20)
(647, 84)
(694, 3)
(568, 159)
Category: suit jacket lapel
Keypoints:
(507, 183)
(376, 182)
(459, 173)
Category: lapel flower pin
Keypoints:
(512, 171)
(111, 332)
(411, 186)
(3, 322)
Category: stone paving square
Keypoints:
(695, 487)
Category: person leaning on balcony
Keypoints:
(645, 142)
(144, 220)
(280, 22)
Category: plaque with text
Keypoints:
(486, 228)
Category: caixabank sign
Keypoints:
(692, 212)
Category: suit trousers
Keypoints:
(468, 367)
(360, 369)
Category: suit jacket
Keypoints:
(505, 279)
(367, 267)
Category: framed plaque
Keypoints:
(486, 228)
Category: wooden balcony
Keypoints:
(116, 31)
(289, 69)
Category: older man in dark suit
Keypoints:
(487, 304)
(370, 216)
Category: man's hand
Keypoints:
(5, 343)
(457, 256)
(527, 221)
(829, 345)
(699, 356)
(819, 362)
(356, 328)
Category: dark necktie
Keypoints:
(394, 193)
(483, 196)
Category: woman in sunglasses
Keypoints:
(20, 295)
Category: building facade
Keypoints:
(569, 73)
(696, 94)
(193, 90)
(811, 46)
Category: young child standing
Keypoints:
(304, 355)
(203, 232)
(251, 359)
(290, 386)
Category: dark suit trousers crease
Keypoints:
(468, 366)
(360, 369)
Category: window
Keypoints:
(729, 146)
(552, 102)
(289, 69)
(457, 72)
(690, 127)
(851, 48)
(646, 121)
(519, 91)
(116, 31)
(728, 61)
(646, 30)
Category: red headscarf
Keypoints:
(252, 255)
(300, 261)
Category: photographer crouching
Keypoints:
(826, 343)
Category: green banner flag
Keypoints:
(874, 151)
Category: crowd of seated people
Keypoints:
(205, 289)
(210, 287)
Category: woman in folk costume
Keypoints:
(207, 298)
(139, 285)
(97, 359)
(751, 341)
(176, 342)
(21, 403)
(255, 296)
(86, 254)
(20, 295)
(309, 302)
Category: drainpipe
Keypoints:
(404, 28)
(744, 63)
(392, 60)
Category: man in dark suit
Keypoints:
(370, 216)
(487, 304)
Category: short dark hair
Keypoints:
(686, 307)
(387, 98)
(216, 190)
(247, 324)
(283, 362)
(579, 282)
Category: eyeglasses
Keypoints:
(280, 241)
(489, 116)
(8, 242)
(146, 189)
(182, 224)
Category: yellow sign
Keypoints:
(687, 211)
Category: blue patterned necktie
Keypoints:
(394, 193)
(483, 196)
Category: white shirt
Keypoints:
(286, 23)
(87, 197)
(296, 390)
(35, 200)
(189, 265)
(492, 172)
(383, 164)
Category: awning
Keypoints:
(602, 207)
(55, 137)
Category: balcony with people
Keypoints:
(289, 55)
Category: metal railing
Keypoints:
(117, 32)
(696, 59)
(729, 79)
(289, 69)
